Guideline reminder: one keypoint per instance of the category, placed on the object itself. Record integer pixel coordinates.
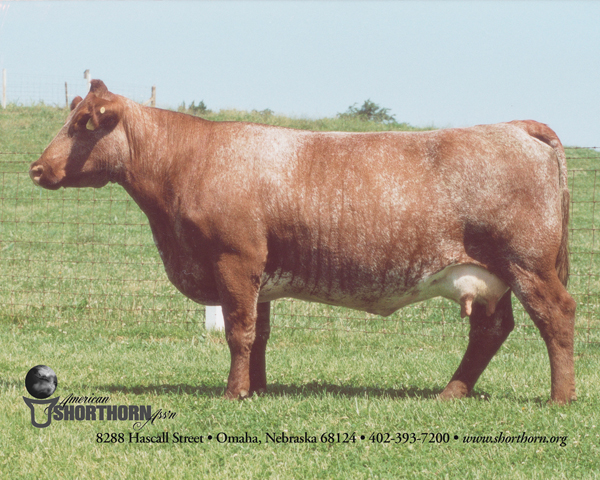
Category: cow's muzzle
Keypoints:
(36, 172)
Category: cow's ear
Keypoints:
(76, 101)
(104, 113)
(98, 88)
(108, 112)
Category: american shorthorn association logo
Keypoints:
(41, 383)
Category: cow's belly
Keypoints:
(464, 284)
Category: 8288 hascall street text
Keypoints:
(163, 437)
(222, 437)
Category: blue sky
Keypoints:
(448, 64)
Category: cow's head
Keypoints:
(90, 149)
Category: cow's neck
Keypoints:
(162, 145)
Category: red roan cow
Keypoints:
(243, 214)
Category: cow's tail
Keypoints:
(546, 134)
(562, 260)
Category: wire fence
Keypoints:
(27, 89)
(78, 255)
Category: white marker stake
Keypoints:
(214, 318)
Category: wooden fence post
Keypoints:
(66, 95)
(152, 100)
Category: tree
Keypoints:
(194, 109)
(369, 111)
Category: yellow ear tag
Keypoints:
(90, 125)
(102, 109)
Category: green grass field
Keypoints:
(82, 290)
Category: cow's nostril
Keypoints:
(36, 172)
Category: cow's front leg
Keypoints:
(258, 368)
(485, 338)
(238, 281)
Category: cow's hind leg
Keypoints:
(258, 369)
(552, 310)
(485, 338)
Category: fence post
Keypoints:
(66, 95)
(88, 77)
(214, 318)
(4, 88)
(152, 100)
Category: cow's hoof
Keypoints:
(562, 401)
(235, 396)
(454, 390)
(244, 394)
(259, 391)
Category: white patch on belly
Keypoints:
(464, 284)
(274, 286)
